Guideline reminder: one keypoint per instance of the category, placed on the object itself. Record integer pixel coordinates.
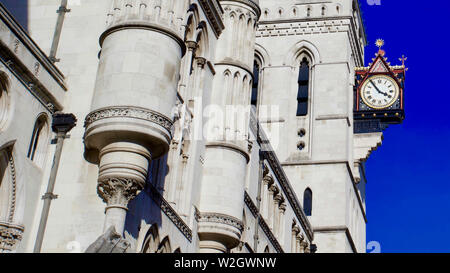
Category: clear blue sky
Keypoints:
(408, 190)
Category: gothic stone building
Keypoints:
(156, 153)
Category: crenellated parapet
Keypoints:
(168, 14)
(236, 46)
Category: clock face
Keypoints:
(380, 91)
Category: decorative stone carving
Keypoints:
(10, 235)
(109, 242)
(255, 212)
(118, 191)
(12, 205)
(221, 218)
(171, 213)
(129, 112)
(214, 13)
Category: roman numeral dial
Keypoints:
(380, 91)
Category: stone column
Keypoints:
(187, 66)
(221, 198)
(273, 206)
(276, 219)
(267, 183)
(136, 88)
(300, 239)
(281, 223)
(295, 232)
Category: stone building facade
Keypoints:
(209, 125)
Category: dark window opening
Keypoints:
(307, 202)
(303, 88)
(35, 138)
(254, 99)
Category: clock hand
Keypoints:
(378, 90)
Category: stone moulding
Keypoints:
(269, 155)
(9, 21)
(254, 210)
(129, 112)
(170, 213)
(212, 217)
(213, 12)
(251, 3)
(148, 26)
(28, 80)
(12, 207)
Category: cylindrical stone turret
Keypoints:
(135, 92)
(221, 203)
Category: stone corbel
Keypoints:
(10, 235)
(274, 189)
(363, 146)
(200, 62)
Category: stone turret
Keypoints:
(221, 203)
(130, 120)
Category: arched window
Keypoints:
(151, 242)
(303, 88)
(4, 102)
(164, 246)
(307, 202)
(256, 68)
(5, 185)
(39, 141)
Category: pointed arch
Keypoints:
(254, 97)
(7, 185)
(191, 22)
(292, 58)
(4, 99)
(307, 201)
(303, 92)
(151, 242)
(37, 149)
(164, 246)
(202, 40)
(263, 55)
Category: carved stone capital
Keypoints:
(268, 180)
(200, 62)
(274, 189)
(191, 45)
(278, 198)
(118, 191)
(10, 235)
(295, 230)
